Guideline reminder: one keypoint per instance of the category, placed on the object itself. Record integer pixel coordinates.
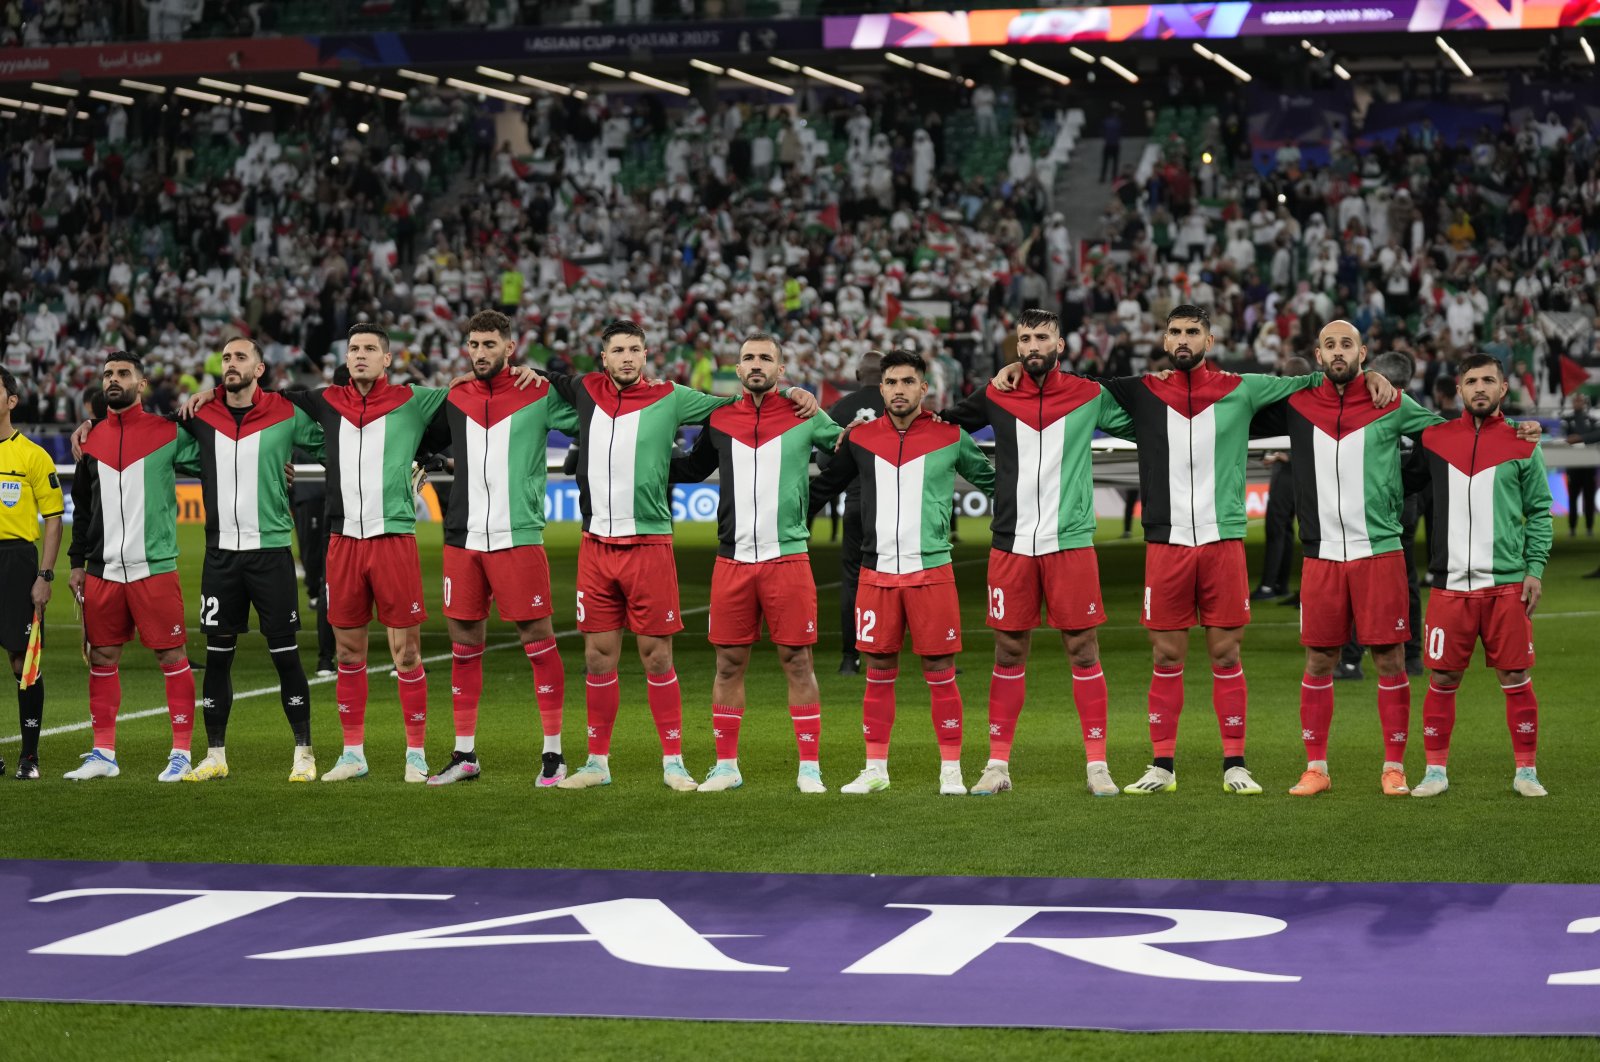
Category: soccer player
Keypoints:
(907, 463)
(1491, 506)
(125, 560)
(1193, 428)
(245, 441)
(1043, 549)
(494, 538)
(371, 430)
(626, 573)
(861, 405)
(762, 446)
(29, 492)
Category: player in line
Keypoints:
(1491, 512)
(1193, 429)
(371, 431)
(494, 538)
(1043, 550)
(627, 576)
(30, 492)
(907, 462)
(125, 560)
(1349, 495)
(762, 446)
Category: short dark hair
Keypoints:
(1189, 311)
(1037, 318)
(261, 355)
(8, 381)
(1395, 367)
(620, 328)
(490, 321)
(1478, 361)
(897, 358)
(365, 329)
(762, 337)
(128, 356)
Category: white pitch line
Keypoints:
(314, 680)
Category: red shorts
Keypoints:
(1458, 618)
(781, 590)
(885, 608)
(1183, 583)
(153, 605)
(634, 586)
(1067, 583)
(382, 571)
(518, 579)
(1371, 593)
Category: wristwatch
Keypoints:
(48, 575)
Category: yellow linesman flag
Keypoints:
(34, 657)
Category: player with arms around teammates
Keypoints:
(125, 560)
(30, 492)
(1492, 531)
(907, 462)
(1044, 524)
(761, 445)
(494, 537)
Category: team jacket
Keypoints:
(124, 496)
(1044, 496)
(1193, 430)
(1348, 492)
(370, 441)
(1490, 523)
(241, 469)
(763, 456)
(498, 437)
(908, 481)
(626, 455)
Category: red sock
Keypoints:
(1008, 688)
(1166, 705)
(666, 708)
(105, 697)
(1522, 718)
(945, 699)
(466, 687)
(807, 729)
(877, 710)
(601, 696)
(350, 690)
(1394, 715)
(1230, 698)
(725, 729)
(414, 705)
(1438, 719)
(180, 703)
(1316, 714)
(1091, 698)
(549, 683)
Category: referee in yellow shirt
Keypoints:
(29, 490)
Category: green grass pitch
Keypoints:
(1049, 826)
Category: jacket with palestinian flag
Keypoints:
(1347, 451)
(763, 453)
(498, 439)
(370, 441)
(1193, 430)
(908, 482)
(241, 468)
(626, 452)
(1044, 499)
(1490, 523)
(124, 496)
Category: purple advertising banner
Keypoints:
(1070, 953)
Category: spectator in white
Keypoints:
(1058, 251)
(116, 124)
(1314, 232)
(1020, 165)
(1241, 252)
(1263, 226)
(983, 99)
(1352, 208)
(1462, 320)
(922, 162)
(1288, 157)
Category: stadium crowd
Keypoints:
(841, 225)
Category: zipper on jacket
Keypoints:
(611, 469)
(1472, 472)
(361, 454)
(1338, 478)
(755, 487)
(488, 494)
(1194, 525)
(122, 493)
(899, 464)
(1038, 479)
